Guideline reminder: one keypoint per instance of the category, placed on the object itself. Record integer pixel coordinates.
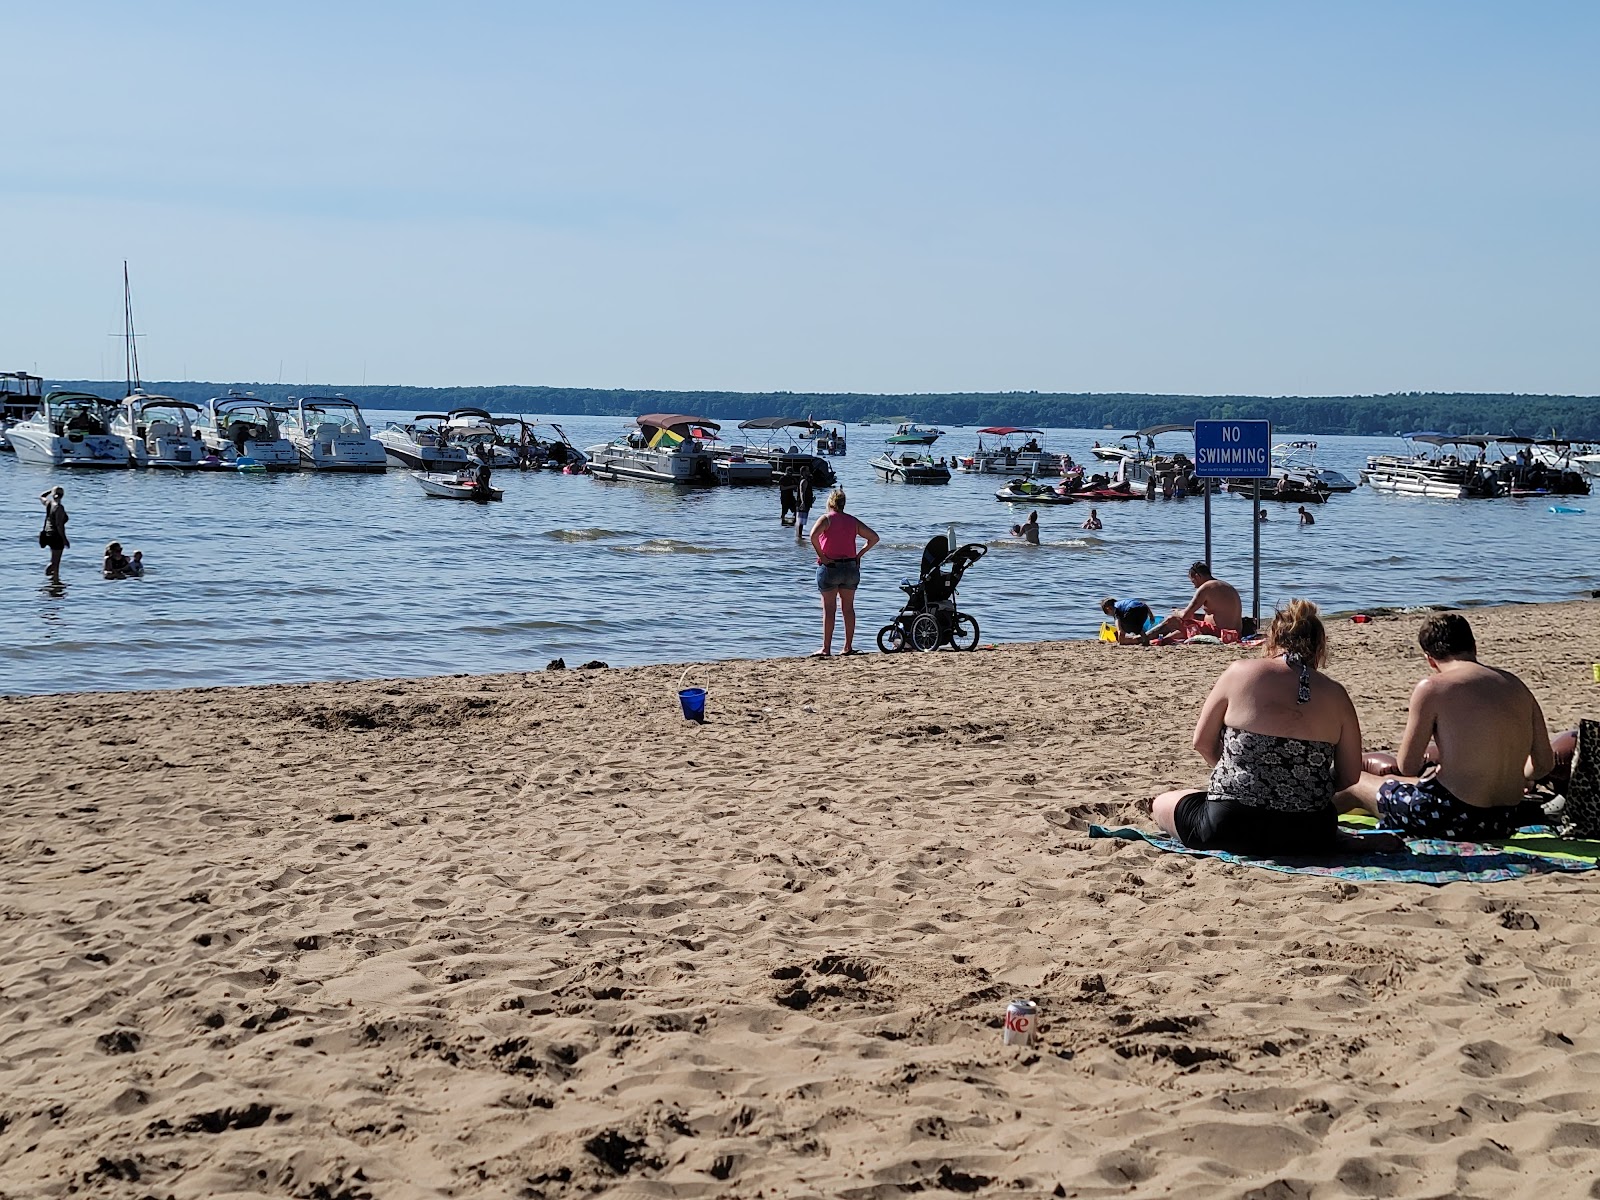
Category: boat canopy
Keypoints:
(1003, 430)
(1512, 439)
(74, 398)
(673, 421)
(1448, 439)
(776, 423)
(1294, 446)
(1151, 431)
(147, 400)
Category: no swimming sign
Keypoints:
(1233, 449)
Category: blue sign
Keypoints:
(1233, 449)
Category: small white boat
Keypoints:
(1296, 459)
(159, 432)
(330, 434)
(444, 486)
(70, 429)
(907, 467)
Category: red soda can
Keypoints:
(1021, 1017)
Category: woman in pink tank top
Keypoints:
(834, 538)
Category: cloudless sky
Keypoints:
(1222, 197)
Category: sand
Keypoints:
(533, 935)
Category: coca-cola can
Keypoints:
(1021, 1017)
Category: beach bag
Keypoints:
(44, 539)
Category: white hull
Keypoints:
(40, 447)
(273, 455)
(897, 470)
(450, 487)
(1028, 463)
(343, 453)
(401, 450)
(1403, 483)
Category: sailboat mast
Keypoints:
(130, 342)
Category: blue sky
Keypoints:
(1165, 197)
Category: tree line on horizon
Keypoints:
(1575, 417)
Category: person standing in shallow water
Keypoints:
(53, 536)
(834, 537)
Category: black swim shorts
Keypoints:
(1427, 809)
(1204, 823)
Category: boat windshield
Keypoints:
(344, 416)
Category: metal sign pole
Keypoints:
(1206, 484)
(1255, 512)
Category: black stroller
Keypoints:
(929, 618)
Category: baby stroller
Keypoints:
(929, 618)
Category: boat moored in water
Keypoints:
(766, 441)
(906, 466)
(1532, 467)
(662, 448)
(330, 434)
(69, 429)
(159, 432)
(909, 433)
(420, 444)
(20, 397)
(1004, 457)
(1454, 469)
(242, 426)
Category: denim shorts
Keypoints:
(844, 575)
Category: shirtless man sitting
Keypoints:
(1215, 608)
(1491, 742)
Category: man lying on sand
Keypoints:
(1215, 608)
(1491, 740)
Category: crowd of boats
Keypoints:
(242, 432)
(239, 431)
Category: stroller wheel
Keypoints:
(964, 632)
(925, 631)
(891, 639)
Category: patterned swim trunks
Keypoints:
(1427, 809)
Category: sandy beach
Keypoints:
(533, 935)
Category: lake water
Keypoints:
(255, 579)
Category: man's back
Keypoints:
(1221, 602)
(1485, 722)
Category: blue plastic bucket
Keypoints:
(693, 703)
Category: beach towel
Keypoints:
(1428, 861)
(1540, 840)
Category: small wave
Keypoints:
(584, 535)
(669, 546)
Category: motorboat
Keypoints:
(906, 466)
(536, 453)
(909, 433)
(420, 444)
(69, 429)
(159, 432)
(1127, 446)
(1297, 460)
(1586, 459)
(330, 434)
(662, 448)
(20, 396)
(458, 486)
(480, 435)
(828, 439)
(1453, 469)
(766, 440)
(1286, 488)
(243, 431)
(1003, 456)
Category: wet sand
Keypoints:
(535, 936)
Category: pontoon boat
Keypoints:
(662, 449)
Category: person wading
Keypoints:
(834, 537)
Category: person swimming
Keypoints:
(1028, 531)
